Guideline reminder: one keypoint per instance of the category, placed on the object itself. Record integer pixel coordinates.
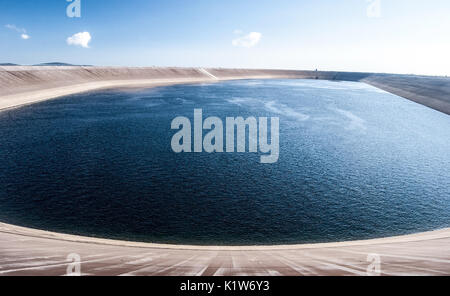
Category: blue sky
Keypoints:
(403, 36)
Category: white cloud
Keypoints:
(23, 32)
(248, 41)
(80, 39)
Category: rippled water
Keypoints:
(355, 162)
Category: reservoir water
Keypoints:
(354, 163)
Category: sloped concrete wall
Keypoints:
(433, 92)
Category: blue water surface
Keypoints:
(355, 163)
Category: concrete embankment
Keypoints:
(21, 85)
(433, 92)
(25, 251)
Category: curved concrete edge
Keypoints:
(30, 84)
(209, 76)
(44, 93)
(35, 233)
(27, 98)
(26, 251)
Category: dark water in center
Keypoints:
(355, 163)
